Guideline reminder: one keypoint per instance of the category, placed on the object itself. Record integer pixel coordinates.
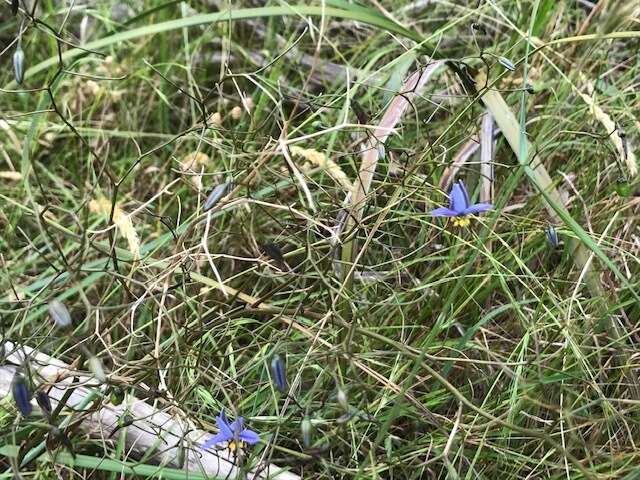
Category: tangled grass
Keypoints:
(413, 349)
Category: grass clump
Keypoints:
(425, 350)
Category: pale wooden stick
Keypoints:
(171, 436)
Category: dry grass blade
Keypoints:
(390, 119)
(510, 128)
(370, 157)
(486, 158)
(296, 172)
(463, 155)
(615, 134)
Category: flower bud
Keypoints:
(117, 396)
(305, 427)
(214, 197)
(506, 63)
(278, 373)
(273, 251)
(18, 64)
(21, 394)
(552, 236)
(43, 401)
(623, 188)
(59, 314)
(343, 401)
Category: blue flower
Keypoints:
(233, 433)
(459, 207)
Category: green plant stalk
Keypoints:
(38, 449)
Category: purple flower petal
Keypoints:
(477, 208)
(249, 436)
(237, 425)
(464, 191)
(213, 441)
(458, 201)
(225, 429)
(443, 212)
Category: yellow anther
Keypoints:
(461, 221)
(232, 445)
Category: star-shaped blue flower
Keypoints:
(232, 433)
(459, 206)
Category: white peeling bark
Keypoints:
(168, 435)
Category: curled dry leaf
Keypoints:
(102, 206)
(195, 162)
(319, 159)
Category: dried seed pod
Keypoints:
(59, 314)
(216, 119)
(278, 373)
(214, 197)
(236, 112)
(21, 394)
(18, 64)
(14, 7)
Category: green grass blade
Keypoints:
(357, 14)
(109, 465)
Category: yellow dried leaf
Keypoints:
(319, 159)
(194, 160)
(102, 206)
